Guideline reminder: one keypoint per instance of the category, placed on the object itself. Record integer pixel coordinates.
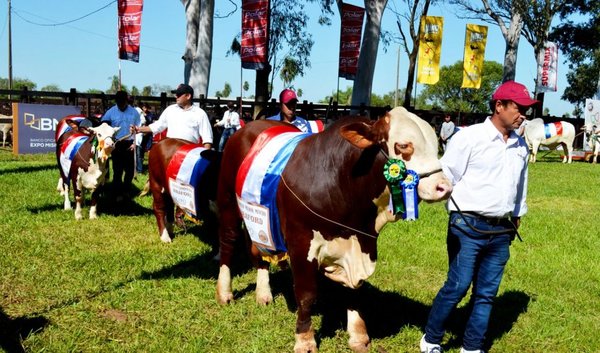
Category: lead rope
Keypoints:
(487, 232)
(323, 217)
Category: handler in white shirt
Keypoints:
(183, 120)
(230, 124)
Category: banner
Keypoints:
(255, 34)
(34, 126)
(130, 28)
(547, 68)
(475, 41)
(430, 49)
(350, 37)
(591, 112)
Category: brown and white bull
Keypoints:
(332, 202)
(82, 161)
(551, 135)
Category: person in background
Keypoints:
(183, 120)
(287, 110)
(230, 124)
(487, 165)
(124, 116)
(149, 118)
(446, 131)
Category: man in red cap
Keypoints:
(487, 165)
(287, 112)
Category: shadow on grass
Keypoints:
(28, 169)
(14, 331)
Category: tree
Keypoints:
(147, 91)
(51, 88)
(114, 85)
(198, 48)
(448, 95)
(245, 86)
(18, 84)
(498, 12)
(134, 91)
(289, 71)
(417, 9)
(225, 92)
(578, 41)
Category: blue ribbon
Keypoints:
(410, 196)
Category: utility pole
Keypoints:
(10, 77)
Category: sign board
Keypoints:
(34, 126)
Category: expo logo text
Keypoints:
(40, 124)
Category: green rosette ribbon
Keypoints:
(394, 172)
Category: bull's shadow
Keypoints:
(28, 169)
(13, 331)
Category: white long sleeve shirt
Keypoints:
(231, 119)
(190, 124)
(489, 175)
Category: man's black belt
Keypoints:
(494, 221)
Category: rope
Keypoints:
(323, 217)
(487, 232)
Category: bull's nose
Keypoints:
(443, 190)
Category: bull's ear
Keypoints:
(363, 135)
(116, 128)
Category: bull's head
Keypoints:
(405, 136)
(104, 134)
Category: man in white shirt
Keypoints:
(487, 165)
(230, 124)
(446, 131)
(183, 120)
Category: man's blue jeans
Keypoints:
(225, 136)
(473, 257)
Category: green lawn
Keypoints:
(110, 285)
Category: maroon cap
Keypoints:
(516, 92)
(287, 95)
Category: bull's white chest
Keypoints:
(93, 177)
(341, 260)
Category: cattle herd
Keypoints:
(317, 200)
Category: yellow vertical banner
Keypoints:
(475, 40)
(430, 49)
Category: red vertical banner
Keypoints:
(255, 34)
(130, 28)
(351, 34)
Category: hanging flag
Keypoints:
(475, 41)
(255, 34)
(547, 68)
(430, 49)
(350, 37)
(130, 28)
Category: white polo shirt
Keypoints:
(190, 124)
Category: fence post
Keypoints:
(163, 101)
(24, 95)
(72, 96)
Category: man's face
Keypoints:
(512, 115)
(183, 100)
(288, 110)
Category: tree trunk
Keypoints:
(413, 55)
(192, 16)
(361, 91)
(261, 94)
(511, 36)
(200, 73)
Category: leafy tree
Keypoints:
(299, 92)
(342, 97)
(147, 91)
(579, 43)
(246, 86)
(447, 94)
(225, 92)
(135, 91)
(289, 71)
(114, 85)
(93, 90)
(18, 83)
(51, 88)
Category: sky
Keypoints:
(83, 54)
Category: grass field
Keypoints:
(110, 285)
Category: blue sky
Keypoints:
(83, 54)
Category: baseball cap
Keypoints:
(516, 92)
(183, 89)
(287, 95)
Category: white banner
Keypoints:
(547, 68)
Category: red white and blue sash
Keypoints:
(63, 127)
(184, 173)
(257, 181)
(315, 126)
(553, 129)
(68, 150)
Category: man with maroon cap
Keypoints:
(487, 165)
(287, 112)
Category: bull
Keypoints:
(551, 135)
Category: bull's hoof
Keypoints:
(305, 342)
(359, 347)
(264, 298)
(164, 237)
(224, 298)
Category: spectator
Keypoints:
(446, 131)
(230, 124)
(287, 110)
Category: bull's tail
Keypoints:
(146, 189)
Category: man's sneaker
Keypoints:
(462, 350)
(427, 347)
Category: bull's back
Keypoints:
(158, 160)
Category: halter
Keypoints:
(421, 175)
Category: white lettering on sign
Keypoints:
(183, 195)
(258, 223)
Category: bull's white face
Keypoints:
(413, 140)
(106, 142)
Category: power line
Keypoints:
(61, 23)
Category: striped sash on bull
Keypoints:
(68, 150)
(257, 181)
(63, 127)
(184, 173)
(553, 129)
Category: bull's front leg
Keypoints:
(264, 295)
(159, 207)
(229, 233)
(305, 291)
(64, 191)
(78, 193)
(357, 330)
(94, 203)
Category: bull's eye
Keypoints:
(403, 146)
(99, 135)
